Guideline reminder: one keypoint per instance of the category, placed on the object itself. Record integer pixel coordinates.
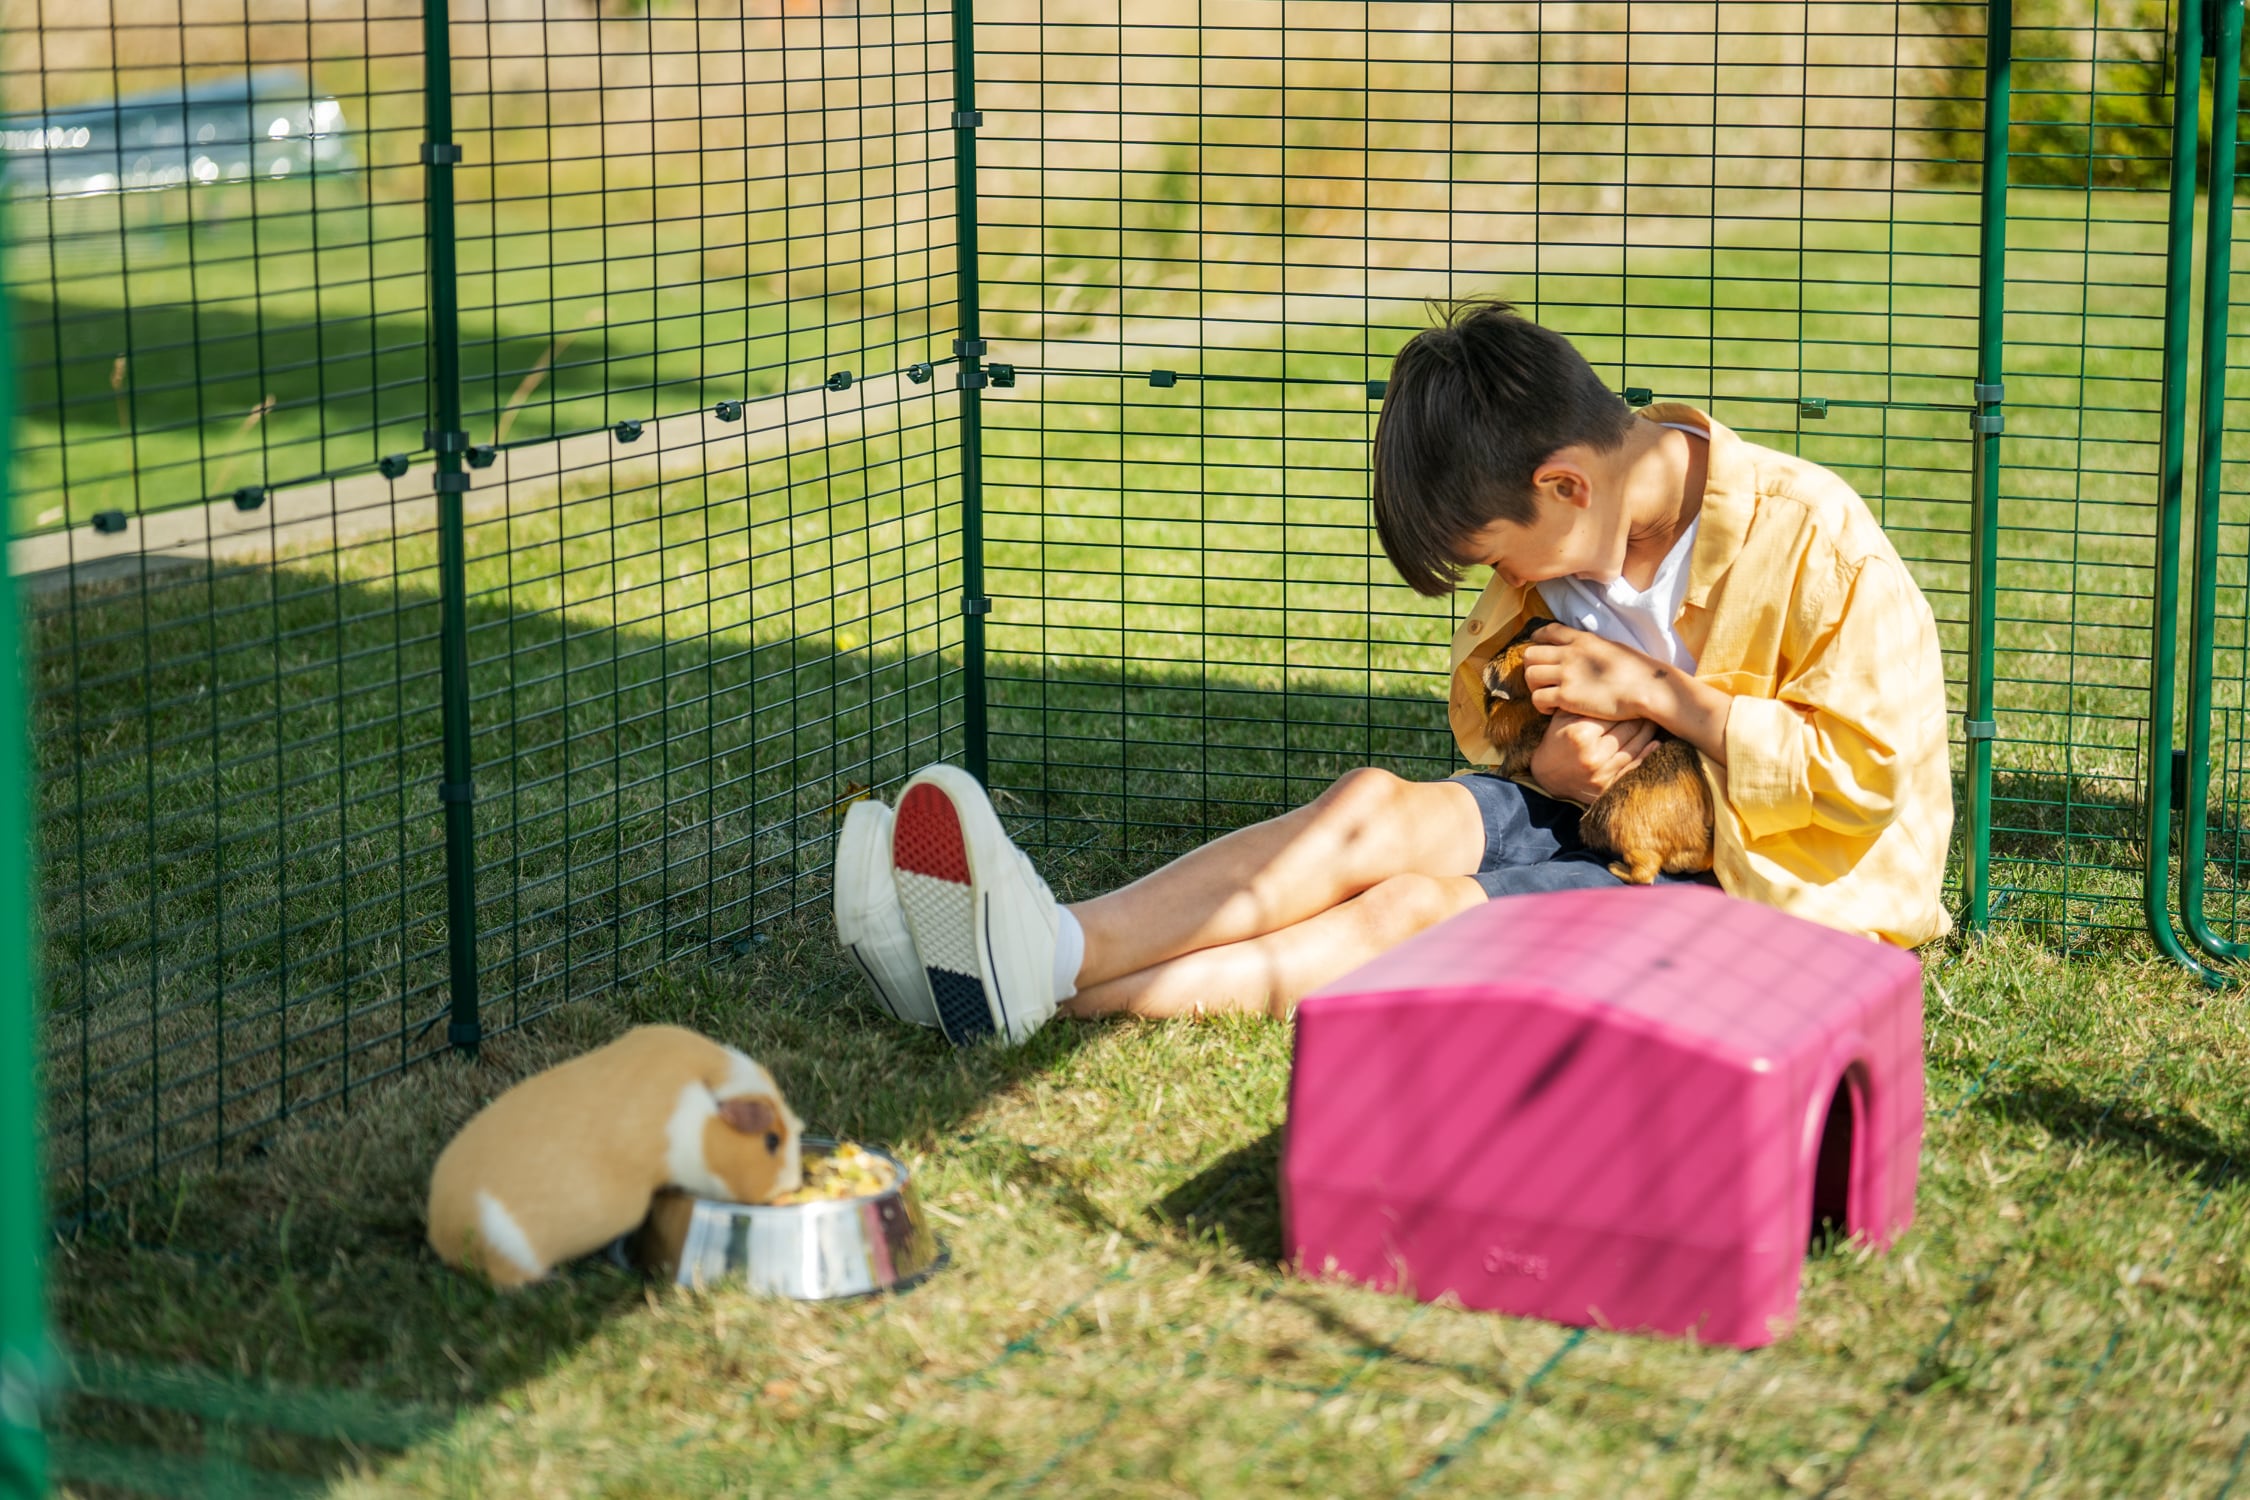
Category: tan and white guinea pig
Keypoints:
(567, 1160)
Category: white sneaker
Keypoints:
(870, 924)
(982, 919)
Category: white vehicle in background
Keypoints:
(270, 124)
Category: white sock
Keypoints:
(1070, 953)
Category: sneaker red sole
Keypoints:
(930, 862)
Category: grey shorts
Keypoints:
(1531, 842)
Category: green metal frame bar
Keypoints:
(447, 439)
(2218, 273)
(1985, 427)
(969, 345)
(2179, 276)
(25, 1369)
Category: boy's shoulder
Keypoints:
(1789, 494)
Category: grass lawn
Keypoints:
(684, 665)
(667, 721)
(2064, 1319)
(174, 350)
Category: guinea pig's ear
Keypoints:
(752, 1115)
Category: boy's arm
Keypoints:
(1847, 726)
(1692, 709)
(1578, 672)
(1825, 748)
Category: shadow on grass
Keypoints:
(2172, 1139)
(299, 1276)
(245, 902)
(1236, 1199)
(247, 1074)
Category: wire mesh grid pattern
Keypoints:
(706, 279)
(216, 296)
(2087, 265)
(480, 536)
(713, 513)
(750, 404)
(1207, 231)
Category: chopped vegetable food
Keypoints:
(846, 1172)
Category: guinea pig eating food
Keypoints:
(1654, 818)
(569, 1159)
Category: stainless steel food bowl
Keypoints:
(840, 1247)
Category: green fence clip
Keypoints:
(1375, 389)
(1813, 407)
(1639, 395)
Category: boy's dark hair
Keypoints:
(1474, 406)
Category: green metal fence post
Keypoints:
(2179, 278)
(24, 1368)
(1985, 427)
(970, 378)
(2218, 273)
(446, 439)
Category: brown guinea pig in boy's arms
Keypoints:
(1654, 818)
(569, 1159)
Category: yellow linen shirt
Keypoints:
(1836, 801)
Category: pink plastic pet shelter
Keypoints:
(1620, 1108)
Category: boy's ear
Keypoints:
(754, 1115)
(1565, 477)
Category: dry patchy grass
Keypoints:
(2063, 1319)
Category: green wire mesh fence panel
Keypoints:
(1209, 228)
(2089, 145)
(216, 266)
(707, 267)
(1180, 269)
(2213, 904)
(24, 1346)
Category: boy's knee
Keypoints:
(1405, 904)
(1365, 795)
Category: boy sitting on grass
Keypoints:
(1744, 600)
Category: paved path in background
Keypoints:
(323, 517)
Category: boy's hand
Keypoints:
(1580, 757)
(1578, 672)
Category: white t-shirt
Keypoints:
(1644, 619)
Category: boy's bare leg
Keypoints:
(1268, 975)
(1273, 876)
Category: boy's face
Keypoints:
(1576, 529)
